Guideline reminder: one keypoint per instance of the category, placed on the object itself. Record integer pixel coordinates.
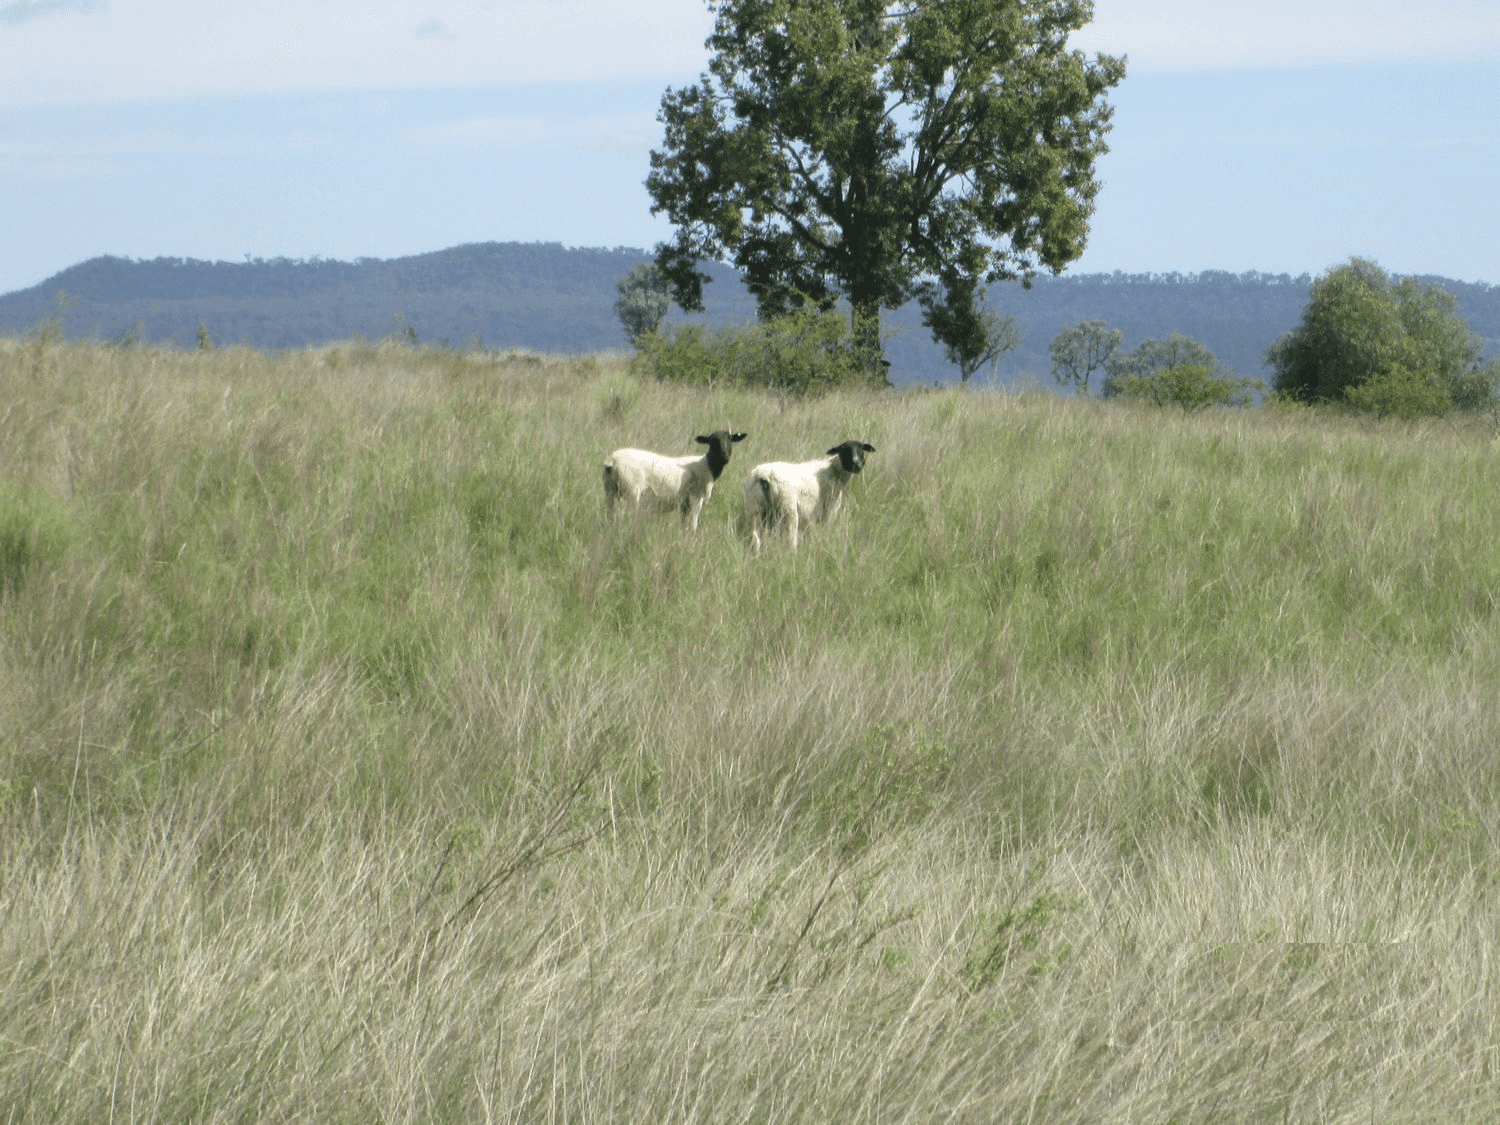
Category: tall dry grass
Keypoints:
(1100, 764)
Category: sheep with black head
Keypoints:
(649, 481)
(787, 497)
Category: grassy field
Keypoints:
(1101, 764)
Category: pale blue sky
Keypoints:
(1284, 136)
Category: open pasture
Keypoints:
(1097, 764)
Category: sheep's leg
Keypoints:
(757, 512)
(611, 492)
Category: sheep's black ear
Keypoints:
(835, 451)
(701, 440)
(738, 436)
(867, 447)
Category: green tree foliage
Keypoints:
(971, 337)
(1378, 344)
(1191, 386)
(1478, 388)
(1172, 350)
(1149, 357)
(1079, 351)
(1396, 391)
(805, 352)
(644, 300)
(858, 149)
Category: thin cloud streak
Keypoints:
(169, 49)
(163, 49)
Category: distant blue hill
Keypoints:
(550, 298)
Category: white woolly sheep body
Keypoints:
(653, 482)
(790, 496)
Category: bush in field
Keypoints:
(1374, 343)
(1398, 391)
(804, 352)
(1150, 357)
(1192, 386)
(1476, 389)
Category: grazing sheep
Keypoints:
(649, 480)
(782, 495)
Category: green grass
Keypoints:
(1101, 763)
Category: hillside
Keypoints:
(551, 298)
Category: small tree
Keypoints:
(1191, 386)
(970, 337)
(644, 300)
(1079, 351)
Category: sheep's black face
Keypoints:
(851, 455)
(720, 444)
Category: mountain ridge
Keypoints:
(552, 298)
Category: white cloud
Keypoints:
(184, 48)
(157, 49)
(1186, 35)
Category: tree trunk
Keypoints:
(864, 336)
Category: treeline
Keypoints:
(548, 297)
(1236, 316)
(540, 296)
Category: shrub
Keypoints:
(1150, 357)
(1192, 386)
(1476, 389)
(1398, 391)
(805, 352)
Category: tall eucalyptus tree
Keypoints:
(877, 151)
